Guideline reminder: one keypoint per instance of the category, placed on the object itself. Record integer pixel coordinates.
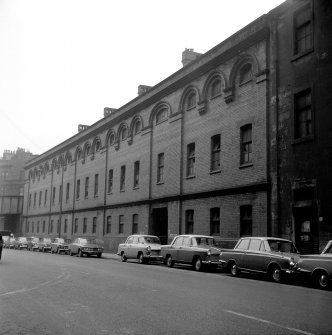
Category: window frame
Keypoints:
(135, 223)
(110, 181)
(189, 223)
(215, 221)
(123, 178)
(191, 159)
(160, 168)
(246, 223)
(136, 174)
(246, 145)
(215, 152)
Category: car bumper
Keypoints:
(213, 263)
(92, 253)
(154, 257)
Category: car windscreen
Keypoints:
(47, 240)
(197, 241)
(282, 246)
(151, 240)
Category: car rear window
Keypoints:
(243, 244)
(282, 246)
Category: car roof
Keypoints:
(265, 238)
(194, 235)
(140, 235)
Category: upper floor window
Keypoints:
(112, 139)
(53, 195)
(4, 175)
(215, 88)
(79, 155)
(161, 115)
(137, 127)
(65, 226)
(76, 226)
(94, 225)
(40, 198)
(191, 159)
(245, 73)
(246, 220)
(136, 174)
(160, 168)
(215, 153)
(97, 146)
(34, 199)
(110, 181)
(108, 224)
(189, 229)
(45, 199)
(96, 185)
(214, 221)
(303, 34)
(121, 224)
(85, 225)
(44, 226)
(123, 178)
(303, 114)
(67, 191)
(60, 194)
(124, 134)
(135, 224)
(88, 150)
(78, 186)
(191, 101)
(86, 189)
(246, 144)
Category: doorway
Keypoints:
(159, 224)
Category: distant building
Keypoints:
(11, 188)
(236, 143)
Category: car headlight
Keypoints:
(292, 263)
(209, 252)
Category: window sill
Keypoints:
(302, 54)
(245, 165)
(245, 82)
(136, 188)
(308, 138)
(160, 182)
(109, 193)
(190, 177)
(215, 171)
(215, 96)
(123, 190)
(190, 108)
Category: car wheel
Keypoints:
(71, 253)
(321, 280)
(197, 264)
(99, 255)
(52, 252)
(141, 258)
(123, 257)
(234, 270)
(80, 253)
(275, 274)
(58, 251)
(169, 261)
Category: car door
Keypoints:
(254, 257)
(185, 250)
(137, 244)
(175, 247)
(239, 254)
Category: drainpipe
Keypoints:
(74, 199)
(105, 188)
(60, 216)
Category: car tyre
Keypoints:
(71, 253)
(58, 251)
(99, 255)
(197, 264)
(123, 257)
(321, 280)
(234, 270)
(275, 274)
(169, 261)
(80, 253)
(141, 259)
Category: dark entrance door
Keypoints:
(306, 230)
(159, 224)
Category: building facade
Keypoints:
(11, 188)
(200, 152)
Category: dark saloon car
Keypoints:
(272, 256)
(59, 246)
(44, 244)
(82, 246)
(145, 248)
(196, 250)
(318, 267)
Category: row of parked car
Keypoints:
(274, 257)
(80, 246)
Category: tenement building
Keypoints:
(209, 150)
(11, 188)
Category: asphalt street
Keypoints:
(58, 294)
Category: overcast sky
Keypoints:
(63, 61)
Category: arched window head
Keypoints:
(191, 100)
(137, 127)
(79, 155)
(245, 73)
(215, 88)
(161, 115)
(124, 134)
(112, 139)
(87, 150)
(98, 146)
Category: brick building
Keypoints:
(11, 188)
(203, 151)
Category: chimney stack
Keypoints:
(82, 127)
(108, 111)
(188, 56)
(143, 89)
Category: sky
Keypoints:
(63, 61)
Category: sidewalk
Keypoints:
(109, 255)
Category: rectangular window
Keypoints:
(215, 153)
(34, 199)
(76, 226)
(40, 198)
(191, 159)
(85, 225)
(45, 200)
(65, 226)
(136, 174)
(51, 227)
(160, 171)
(67, 192)
(189, 221)
(53, 195)
(94, 225)
(58, 226)
(214, 221)
(123, 178)
(110, 181)
(37, 226)
(33, 227)
(78, 185)
(135, 224)
(44, 226)
(121, 224)
(108, 224)
(30, 200)
(303, 114)
(86, 189)
(246, 220)
(303, 34)
(60, 194)
(246, 144)
(27, 227)
(96, 185)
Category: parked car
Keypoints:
(82, 246)
(59, 246)
(44, 244)
(145, 248)
(20, 243)
(318, 267)
(6, 241)
(33, 243)
(272, 256)
(197, 250)
(9, 243)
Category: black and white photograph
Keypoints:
(165, 167)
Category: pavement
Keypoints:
(109, 255)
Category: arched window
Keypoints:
(79, 155)
(124, 134)
(137, 127)
(191, 101)
(245, 73)
(87, 150)
(112, 139)
(161, 115)
(98, 146)
(215, 88)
